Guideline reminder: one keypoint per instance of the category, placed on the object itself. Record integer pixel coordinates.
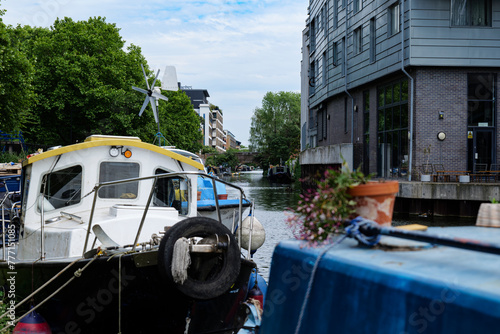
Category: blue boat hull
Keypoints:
(421, 289)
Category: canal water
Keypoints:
(271, 201)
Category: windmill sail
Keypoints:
(152, 94)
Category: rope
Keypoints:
(188, 321)
(352, 231)
(180, 260)
(43, 286)
(76, 274)
(311, 280)
(120, 294)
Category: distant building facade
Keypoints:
(218, 140)
(231, 142)
(393, 85)
(213, 121)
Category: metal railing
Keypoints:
(155, 178)
(9, 210)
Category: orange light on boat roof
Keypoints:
(127, 153)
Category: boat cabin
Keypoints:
(75, 199)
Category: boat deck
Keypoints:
(399, 287)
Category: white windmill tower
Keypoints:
(153, 94)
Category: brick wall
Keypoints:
(436, 89)
(443, 89)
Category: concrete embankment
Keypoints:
(444, 199)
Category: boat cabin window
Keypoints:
(114, 171)
(171, 192)
(62, 188)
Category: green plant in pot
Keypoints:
(341, 195)
(321, 212)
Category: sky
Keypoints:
(236, 50)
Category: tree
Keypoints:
(16, 92)
(275, 128)
(226, 159)
(179, 123)
(83, 81)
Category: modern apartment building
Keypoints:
(231, 141)
(213, 121)
(392, 85)
(218, 139)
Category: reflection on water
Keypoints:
(271, 200)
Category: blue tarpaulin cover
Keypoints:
(13, 183)
(412, 288)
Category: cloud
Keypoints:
(237, 50)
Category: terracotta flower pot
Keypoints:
(375, 200)
(488, 215)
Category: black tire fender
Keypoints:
(226, 266)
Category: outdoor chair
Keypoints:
(427, 169)
(480, 167)
(415, 173)
(495, 171)
(438, 168)
(480, 174)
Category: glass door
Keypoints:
(481, 151)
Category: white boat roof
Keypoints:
(103, 140)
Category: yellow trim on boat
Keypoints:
(412, 227)
(95, 141)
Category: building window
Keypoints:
(471, 13)
(312, 35)
(392, 114)
(325, 70)
(366, 132)
(358, 40)
(481, 99)
(358, 5)
(343, 56)
(335, 15)
(373, 40)
(322, 124)
(346, 128)
(335, 56)
(312, 119)
(323, 17)
(393, 20)
(312, 78)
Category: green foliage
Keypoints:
(494, 201)
(16, 92)
(275, 128)
(208, 150)
(320, 213)
(12, 157)
(179, 123)
(226, 159)
(3, 308)
(81, 79)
